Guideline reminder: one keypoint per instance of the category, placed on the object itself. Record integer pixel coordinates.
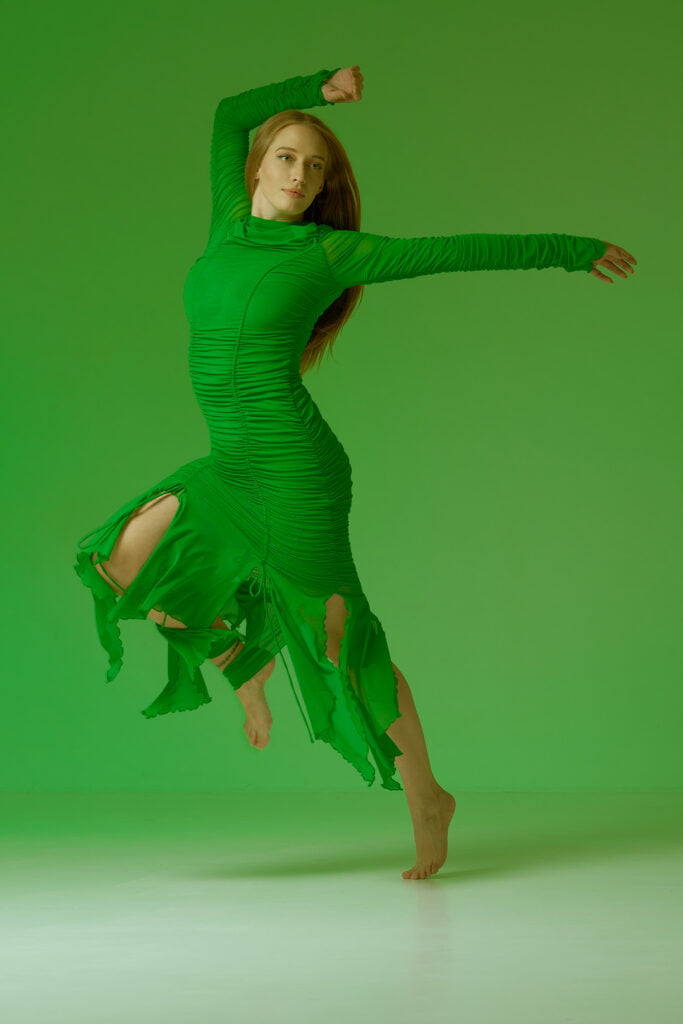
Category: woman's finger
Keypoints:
(623, 253)
(623, 263)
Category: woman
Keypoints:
(255, 534)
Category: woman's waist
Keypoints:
(276, 445)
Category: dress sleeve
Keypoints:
(234, 117)
(356, 257)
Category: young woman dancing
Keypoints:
(245, 551)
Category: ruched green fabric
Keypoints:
(260, 538)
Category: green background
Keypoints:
(515, 436)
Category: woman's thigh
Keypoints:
(335, 624)
(137, 539)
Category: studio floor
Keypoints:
(278, 907)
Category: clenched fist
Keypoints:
(345, 86)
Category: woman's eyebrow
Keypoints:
(295, 151)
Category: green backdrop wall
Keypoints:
(515, 436)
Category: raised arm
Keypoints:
(234, 117)
(356, 257)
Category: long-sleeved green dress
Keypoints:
(261, 534)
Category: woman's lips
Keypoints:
(291, 192)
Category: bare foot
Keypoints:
(431, 837)
(258, 718)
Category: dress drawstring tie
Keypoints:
(260, 590)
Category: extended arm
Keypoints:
(357, 257)
(234, 117)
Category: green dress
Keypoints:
(261, 534)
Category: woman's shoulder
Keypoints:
(324, 230)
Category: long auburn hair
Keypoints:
(338, 204)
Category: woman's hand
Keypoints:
(613, 254)
(345, 86)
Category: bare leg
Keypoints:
(421, 788)
(252, 695)
(431, 806)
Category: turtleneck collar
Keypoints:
(259, 231)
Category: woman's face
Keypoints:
(295, 161)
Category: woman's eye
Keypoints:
(288, 157)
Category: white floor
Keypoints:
(157, 907)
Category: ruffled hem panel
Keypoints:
(358, 700)
(204, 569)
